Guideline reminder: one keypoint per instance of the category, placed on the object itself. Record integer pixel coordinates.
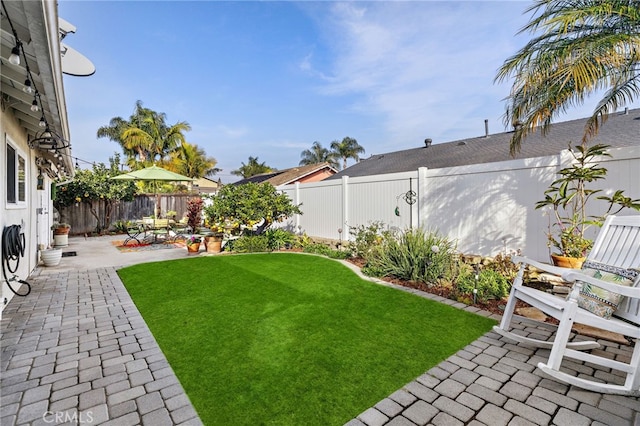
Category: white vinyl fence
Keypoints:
(486, 208)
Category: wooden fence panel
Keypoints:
(83, 222)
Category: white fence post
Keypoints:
(345, 207)
(296, 201)
(421, 190)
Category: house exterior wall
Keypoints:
(35, 226)
(486, 208)
(316, 176)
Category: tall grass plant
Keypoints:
(415, 255)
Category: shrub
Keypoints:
(326, 251)
(251, 244)
(489, 285)
(120, 226)
(279, 238)
(365, 238)
(415, 255)
(504, 266)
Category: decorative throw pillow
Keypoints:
(597, 300)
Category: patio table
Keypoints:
(153, 228)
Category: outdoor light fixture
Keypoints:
(34, 105)
(43, 122)
(50, 141)
(14, 58)
(27, 86)
(40, 181)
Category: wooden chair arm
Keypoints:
(555, 270)
(633, 292)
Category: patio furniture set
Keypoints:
(149, 231)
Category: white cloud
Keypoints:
(425, 67)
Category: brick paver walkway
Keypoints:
(77, 351)
(494, 381)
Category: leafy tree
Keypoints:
(252, 168)
(584, 46)
(145, 137)
(316, 155)
(348, 148)
(250, 204)
(96, 189)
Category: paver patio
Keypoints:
(77, 351)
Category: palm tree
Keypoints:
(316, 155)
(191, 160)
(252, 168)
(145, 135)
(585, 46)
(348, 148)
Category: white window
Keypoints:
(16, 176)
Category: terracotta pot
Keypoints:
(213, 244)
(193, 247)
(567, 262)
(61, 231)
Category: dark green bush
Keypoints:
(251, 244)
(326, 251)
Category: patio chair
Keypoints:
(160, 229)
(180, 229)
(612, 266)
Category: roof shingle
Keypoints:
(620, 130)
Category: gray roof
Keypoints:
(620, 130)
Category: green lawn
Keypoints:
(290, 339)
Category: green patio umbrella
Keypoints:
(154, 174)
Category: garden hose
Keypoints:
(13, 244)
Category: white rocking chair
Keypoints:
(618, 246)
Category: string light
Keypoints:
(14, 58)
(46, 140)
(27, 85)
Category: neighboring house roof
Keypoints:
(206, 185)
(312, 172)
(620, 130)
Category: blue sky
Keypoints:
(267, 79)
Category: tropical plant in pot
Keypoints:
(193, 243)
(568, 198)
(60, 228)
(194, 213)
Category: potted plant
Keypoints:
(193, 243)
(569, 198)
(213, 242)
(60, 234)
(194, 213)
(51, 256)
(213, 239)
